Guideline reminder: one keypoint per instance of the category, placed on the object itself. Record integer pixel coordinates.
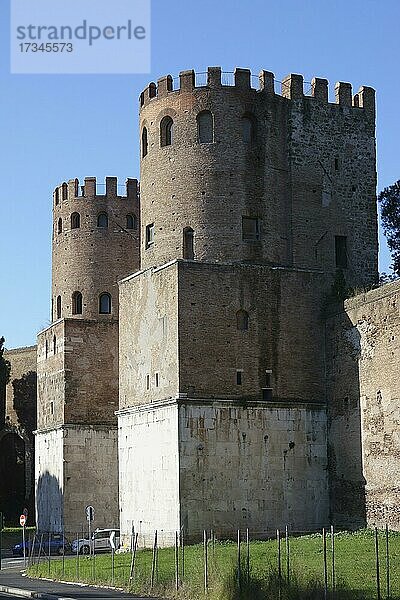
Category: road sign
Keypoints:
(89, 510)
(112, 540)
(22, 520)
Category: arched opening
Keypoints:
(58, 307)
(242, 320)
(12, 475)
(131, 222)
(249, 128)
(105, 304)
(76, 303)
(64, 191)
(57, 196)
(75, 220)
(166, 131)
(145, 144)
(205, 127)
(59, 225)
(102, 220)
(188, 243)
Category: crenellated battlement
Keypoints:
(292, 87)
(72, 190)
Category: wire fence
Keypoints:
(166, 558)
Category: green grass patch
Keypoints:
(354, 568)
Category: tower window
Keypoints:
(250, 228)
(147, 382)
(242, 320)
(47, 348)
(59, 225)
(166, 131)
(75, 220)
(205, 127)
(76, 303)
(131, 222)
(188, 243)
(157, 379)
(58, 307)
(336, 164)
(52, 408)
(57, 196)
(54, 344)
(64, 191)
(149, 235)
(239, 377)
(145, 143)
(102, 220)
(105, 304)
(341, 251)
(248, 128)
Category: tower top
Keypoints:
(292, 87)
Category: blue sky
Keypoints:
(57, 127)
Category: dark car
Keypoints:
(58, 544)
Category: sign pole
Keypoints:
(1, 534)
(23, 543)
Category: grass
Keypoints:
(354, 565)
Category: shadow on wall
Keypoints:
(12, 476)
(49, 504)
(346, 478)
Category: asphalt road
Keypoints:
(12, 576)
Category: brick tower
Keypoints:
(95, 243)
(252, 204)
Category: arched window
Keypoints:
(188, 243)
(75, 220)
(57, 195)
(58, 304)
(131, 222)
(145, 143)
(105, 304)
(64, 191)
(242, 320)
(59, 225)
(166, 131)
(248, 128)
(205, 127)
(102, 220)
(54, 344)
(76, 303)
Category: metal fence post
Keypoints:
(387, 563)
(378, 581)
(205, 550)
(239, 575)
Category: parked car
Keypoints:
(100, 542)
(58, 545)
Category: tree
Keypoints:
(25, 397)
(390, 216)
(5, 369)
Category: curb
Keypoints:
(29, 594)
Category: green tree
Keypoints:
(389, 199)
(5, 369)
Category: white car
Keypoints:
(100, 542)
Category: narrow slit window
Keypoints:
(105, 304)
(57, 196)
(166, 131)
(145, 143)
(188, 243)
(54, 344)
(248, 129)
(341, 251)
(58, 307)
(59, 225)
(205, 127)
(149, 235)
(239, 377)
(242, 320)
(157, 380)
(147, 382)
(64, 188)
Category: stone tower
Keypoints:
(252, 205)
(95, 243)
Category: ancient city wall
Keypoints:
(364, 408)
(23, 361)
